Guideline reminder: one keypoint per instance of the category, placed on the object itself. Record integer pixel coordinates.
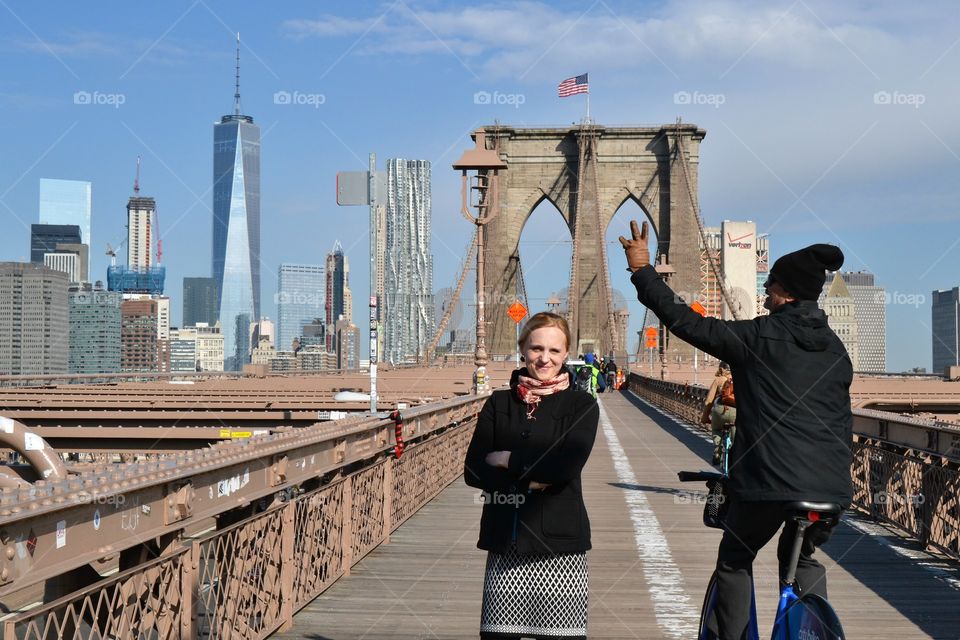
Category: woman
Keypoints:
(527, 451)
(719, 409)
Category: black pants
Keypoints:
(749, 527)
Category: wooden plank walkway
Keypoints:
(649, 565)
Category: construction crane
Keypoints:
(112, 254)
(442, 325)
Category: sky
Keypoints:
(826, 122)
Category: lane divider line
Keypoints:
(675, 614)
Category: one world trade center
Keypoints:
(236, 228)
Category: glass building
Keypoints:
(945, 325)
(199, 301)
(67, 202)
(236, 229)
(300, 300)
(94, 331)
(44, 238)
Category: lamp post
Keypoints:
(485, 163)
(665, 271)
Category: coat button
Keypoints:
(524, 434)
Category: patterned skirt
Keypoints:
(539, 596)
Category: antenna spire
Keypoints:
(136, 180)
(236, 95)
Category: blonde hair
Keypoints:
(540, 321)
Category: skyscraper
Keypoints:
(44, 238)
(945, 326)
(337, 294)
(67, 202)
(199, 301)
(870, 307)
(236, 227)
(408, 306)
(839, 306)
(34, 325)
(140, 213)
(94, 330)
(300, 299)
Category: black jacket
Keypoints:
(550, 449)
(792, 375)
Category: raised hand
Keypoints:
(638, 254)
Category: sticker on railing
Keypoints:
(32, 442)
(6, 425)
(96, 520)
(61, 534)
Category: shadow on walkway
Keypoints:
(926, 599)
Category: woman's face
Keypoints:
(545, 352)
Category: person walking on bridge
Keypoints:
(792, 377)
(529, 446)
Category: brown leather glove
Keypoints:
(638, 254)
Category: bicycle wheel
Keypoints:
(809, 617)
(710, 602)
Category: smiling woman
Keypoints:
(529, 446)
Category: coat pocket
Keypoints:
(561, 517)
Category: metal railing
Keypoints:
(906, 471)
(328, 494)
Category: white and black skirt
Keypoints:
(539, 596)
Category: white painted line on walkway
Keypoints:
(672, 607)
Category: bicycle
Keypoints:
(799, 617)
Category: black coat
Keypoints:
(792, 377)
(550, 449)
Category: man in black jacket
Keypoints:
(794, 425)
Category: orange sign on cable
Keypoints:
(517, 311)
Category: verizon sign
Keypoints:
(738, 257)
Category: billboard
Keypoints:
(738, 257)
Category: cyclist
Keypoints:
(610, 371)
(720, 409)
(792, 376)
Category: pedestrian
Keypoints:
(588, 376)
(792, 376)
(720, 409)
(528, 449)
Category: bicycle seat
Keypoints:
(802, 507)
(695, 476)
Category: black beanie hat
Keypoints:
(803, 272)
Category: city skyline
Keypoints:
(824, 149)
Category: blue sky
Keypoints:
(825, 121)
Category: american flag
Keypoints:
(573, 86)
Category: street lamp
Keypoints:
(665, 271)
(485, 162)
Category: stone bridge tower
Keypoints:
(587, 172)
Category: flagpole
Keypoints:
(588, 106)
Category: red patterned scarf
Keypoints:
(532, 390)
